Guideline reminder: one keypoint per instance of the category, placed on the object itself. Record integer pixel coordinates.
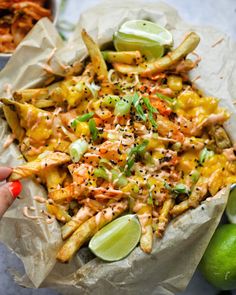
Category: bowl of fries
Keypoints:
(17, 18)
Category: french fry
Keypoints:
(126, 57)
(145, 217)
(88, 73)
(66, 194)
(197, 195)
(89, 209)
(88, 229)
(82, 215)
(59, 212)
(215, 181)
(164, 216)
(37, 122)
(27, 95)
(96, 56)
(53, 178)
(14, 123)
(43, 161)
(151, 68)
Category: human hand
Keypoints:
(8, 190)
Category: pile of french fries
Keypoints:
(122, 136)
(17, 17)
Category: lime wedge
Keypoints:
(147, 37)
(117, 239)
(149, 49)
(148, 30)
(231, 205)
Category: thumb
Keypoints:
(8, 192)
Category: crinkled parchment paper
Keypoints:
(174, 258)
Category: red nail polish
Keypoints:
(15, 188)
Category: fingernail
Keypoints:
(15, 188)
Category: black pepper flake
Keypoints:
(165, 159)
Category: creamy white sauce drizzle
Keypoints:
(26, 214)
(39, 199)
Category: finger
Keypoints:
(4, 172)
(8, 193)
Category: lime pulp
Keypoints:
(147, 37)
(117, 239)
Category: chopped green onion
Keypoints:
(167, 186)
(123, 106)
(93, 129)
(138, 107)
(106, 163)
(110, 100)
(82, 118)
(93, 89)
(150, 199)
(151, 110)
(149, 106)
(100, 172)
(165, 98)
(77, 149)
(140, 112)
(205, 155)
(129, 165)
(180, 188)
(119, 179)
(195, 175)
(151, 119)
(137, 150)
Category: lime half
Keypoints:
(231, 205)
(117, 239)
(148, 30)
(147, 37)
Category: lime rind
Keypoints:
(117, 239)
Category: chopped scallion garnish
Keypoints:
(135, 151)
(77, 149)
(205, 155)
(82, 118)
(138, 107)
(93, 129)
(123, 106)
(149, 106)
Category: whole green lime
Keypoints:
(218, 264)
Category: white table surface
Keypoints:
(218, 13)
